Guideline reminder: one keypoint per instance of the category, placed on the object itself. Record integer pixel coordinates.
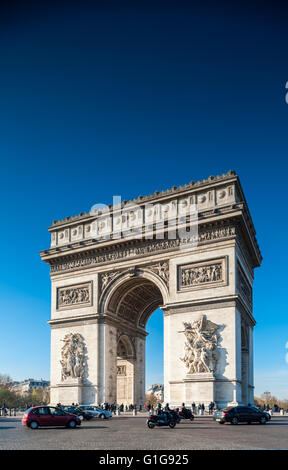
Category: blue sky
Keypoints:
(118, 98)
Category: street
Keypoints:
(129, 433)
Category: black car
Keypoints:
(76, 410)
(240, 414)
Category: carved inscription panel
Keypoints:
(203, 274)
(79, 295)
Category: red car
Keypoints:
(49, 416)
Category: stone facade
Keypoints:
(105, 287)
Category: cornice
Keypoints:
(157, 195)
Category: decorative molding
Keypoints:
(145, 249)
(156, 195)
(210, 273)
(74, 296)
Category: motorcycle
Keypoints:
(186, 414)
(164, 419)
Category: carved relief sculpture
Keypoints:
(121, 370)
(162, 270)
(74, 296)
(73, 356)
(202, 274)
(107, 277)
(201, 346)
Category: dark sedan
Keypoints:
(77, 410)
(240, 414)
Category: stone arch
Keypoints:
(134, 295)
(125, 347)
(126, 360)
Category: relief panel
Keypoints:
(210, 273)
(79, 295)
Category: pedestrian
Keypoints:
(158, 409)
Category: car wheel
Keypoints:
(102, 416)
(192, 418)
(221, 422)
(234, 420)
(72, 424)
(172, 424)
(263, 420)
(33, 425)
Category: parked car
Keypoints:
(76, 410)
(240, 414)
(96, 411)
(49, 416)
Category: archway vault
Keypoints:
(134, 297)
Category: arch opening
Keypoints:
(133, 300)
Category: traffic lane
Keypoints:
(124, 433)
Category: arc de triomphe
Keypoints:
(113, 267)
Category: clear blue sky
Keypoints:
(104, 98)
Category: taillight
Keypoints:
(226, 413)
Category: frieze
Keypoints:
(202, 274)
(74, 296)
(142, 250)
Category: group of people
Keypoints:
(201, 407)
(195, 409)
